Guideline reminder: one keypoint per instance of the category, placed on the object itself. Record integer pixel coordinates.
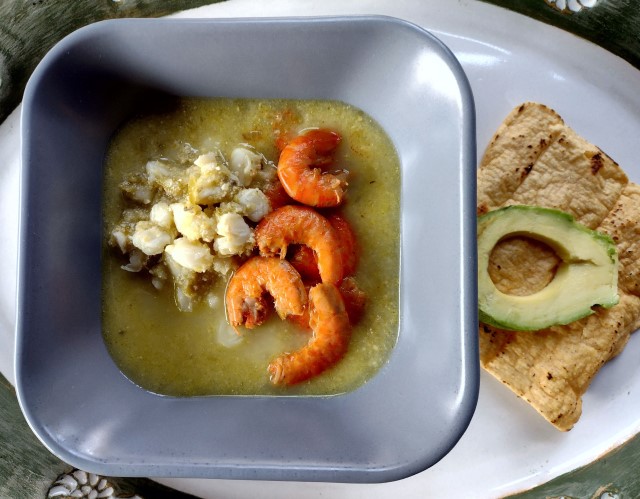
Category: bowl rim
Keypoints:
(468, 301)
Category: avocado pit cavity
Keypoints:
(520, 265)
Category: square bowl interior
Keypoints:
(74, 397)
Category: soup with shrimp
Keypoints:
(186, 189)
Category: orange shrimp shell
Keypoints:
(244, 297)
(294, 224)
(331, 334)
(304, 261)
(298, 172)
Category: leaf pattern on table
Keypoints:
(572, 5)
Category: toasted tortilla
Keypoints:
(535, 159)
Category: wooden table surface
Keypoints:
(29, 28)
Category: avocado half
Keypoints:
(587, 276)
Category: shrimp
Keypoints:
(331, 334)
(354, 300)
(304, 261)
(244, 297)
(303, 182)
(294, 224)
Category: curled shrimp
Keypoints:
(294, 224)
(299, 173)
(331, 334)
(245, 301)
(304, 261)
(303, 258)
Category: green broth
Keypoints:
(197, 353)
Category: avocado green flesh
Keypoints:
(587, 276)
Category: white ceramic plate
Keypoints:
(508, 59)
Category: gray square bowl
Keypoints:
(72, 394)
